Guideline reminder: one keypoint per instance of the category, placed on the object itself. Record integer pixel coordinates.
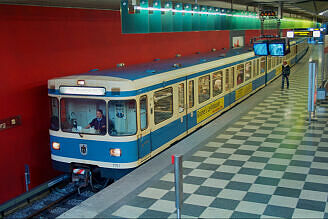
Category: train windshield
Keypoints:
(87, 116)
(122, 117)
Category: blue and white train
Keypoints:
(148, 107)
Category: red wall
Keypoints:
(39, 43)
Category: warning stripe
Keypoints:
(78, 171)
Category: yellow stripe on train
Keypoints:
(210, 109)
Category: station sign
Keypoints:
(303, 33)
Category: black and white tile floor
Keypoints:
(270, 163)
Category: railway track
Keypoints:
(56, 202)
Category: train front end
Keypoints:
(93, 127)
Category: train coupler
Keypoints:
(82, 178)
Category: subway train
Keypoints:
(112, 121)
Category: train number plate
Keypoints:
(84, 149)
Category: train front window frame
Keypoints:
(54, 113)
(122, 117)
(84, 116)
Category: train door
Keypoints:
(163, 117)
(190, 107)
(144, 144)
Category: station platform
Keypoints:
(260, 159)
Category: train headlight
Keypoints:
(55, 145)
(115, 152)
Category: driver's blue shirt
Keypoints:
(98, 124)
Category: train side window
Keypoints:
(248, 71)
(163, 105)
(257, 67)
(143, 113)
(240, 74)
(181, 97)
(254, 68)
(54, 113)
(269, 63)
(191, 94)
(229, 79)
(217, 83)
(203, 88)
(262, 65)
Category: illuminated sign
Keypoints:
(290, 34)
(83, 90)
(303, 33)
(316, 33)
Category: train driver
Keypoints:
(99, 123)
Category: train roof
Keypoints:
(140, 71)
(139, 78)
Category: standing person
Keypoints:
(285, 74)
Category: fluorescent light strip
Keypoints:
(190, 12)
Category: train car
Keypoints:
(112, 121)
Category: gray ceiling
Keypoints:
(307, 8)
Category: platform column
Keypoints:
(178, 179)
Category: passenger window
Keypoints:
(248, 71)
(163, 105)
(143, 113)
(229, 79)
(262, 65)
(217, 83)
(240, 74)
(122, 117)
(181, 97)
(257, 67)
(191, 94)
(203, 88)
(269, 63)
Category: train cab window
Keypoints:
(54, 113)
(248, 71)
(181, 97)
(163, 105)
(217, 83)
(143, 113)
(86, 116)
(203, 88)
(257, 67)
(122, 117)
(262, 65)
(280, 60)
(229, 79)
(191, 95)
(240, 74)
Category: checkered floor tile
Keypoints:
(270, 163)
